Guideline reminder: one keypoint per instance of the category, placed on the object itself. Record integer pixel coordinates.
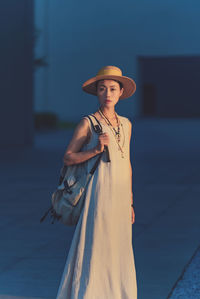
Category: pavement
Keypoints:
(166, 185)
(188, 286)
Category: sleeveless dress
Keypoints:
(100, 263)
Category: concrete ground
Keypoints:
(188, 286)
(166, 185)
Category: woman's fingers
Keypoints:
(104, 139)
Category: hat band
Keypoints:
(110, 72)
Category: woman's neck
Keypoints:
(108, 112)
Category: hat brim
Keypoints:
(129, 85)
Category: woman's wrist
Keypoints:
(96, 150)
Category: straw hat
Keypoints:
(113, 73)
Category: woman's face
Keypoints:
(108, 92)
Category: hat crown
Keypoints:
(109, 70)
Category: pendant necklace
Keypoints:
(115, 132)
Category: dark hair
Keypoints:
(120, 84)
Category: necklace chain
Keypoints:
(108, 121)
(116, 134)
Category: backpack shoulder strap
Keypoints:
(96, 125)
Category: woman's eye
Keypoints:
(102, 88)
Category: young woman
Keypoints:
(100, 263)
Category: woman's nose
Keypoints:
(107, 92)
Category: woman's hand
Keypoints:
(103, 140)
(132, 215)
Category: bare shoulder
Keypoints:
(80, 136)
(83, 127)
(83, 124)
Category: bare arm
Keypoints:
(73, 155)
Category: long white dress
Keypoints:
(100, 263)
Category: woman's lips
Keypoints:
(108, 101)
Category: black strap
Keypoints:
(96, 164)
(62, 175)
(97, 128)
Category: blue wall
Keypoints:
(84, 36)
(16, 117)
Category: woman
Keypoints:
(100, 263)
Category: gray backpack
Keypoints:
(68, 198)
